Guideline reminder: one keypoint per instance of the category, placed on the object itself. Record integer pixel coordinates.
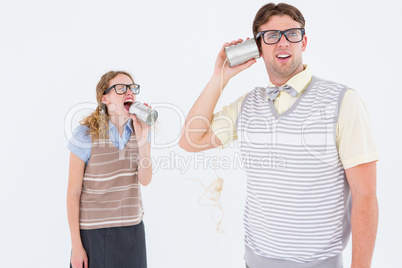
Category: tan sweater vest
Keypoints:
(111, 194)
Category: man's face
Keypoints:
(283, 60)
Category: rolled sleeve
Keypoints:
(354, 138)
(80, 143)
(223, 122)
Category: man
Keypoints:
(308, 152)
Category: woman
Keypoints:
(110, 155)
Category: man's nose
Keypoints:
(283, 42)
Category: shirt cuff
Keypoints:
(361, 159)
(82, 154)
(223, 128)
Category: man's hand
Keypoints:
(229, 72)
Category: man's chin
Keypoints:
(284, 70)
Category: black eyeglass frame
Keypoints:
(285, 33)
(126, 87)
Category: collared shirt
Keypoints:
(354, 139)
(299, 82)
(80, 143)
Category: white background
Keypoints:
(53, 53)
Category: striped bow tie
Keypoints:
(273, 92)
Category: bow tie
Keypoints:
(273, 92)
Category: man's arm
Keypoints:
(196, 134)
(362, 181)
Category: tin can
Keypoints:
(143, 113)
(242, 52)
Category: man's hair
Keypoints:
(267, 11)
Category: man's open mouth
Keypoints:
(283, 56)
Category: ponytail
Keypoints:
(98, 123)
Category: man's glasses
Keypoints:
(122, 89)
(271, 37)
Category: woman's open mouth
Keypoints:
(127, 104)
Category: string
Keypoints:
(214, 190)
(220, 96)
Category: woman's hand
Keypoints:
(79, 258)
(141, 129)
(144, 150)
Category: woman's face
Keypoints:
(118, 105)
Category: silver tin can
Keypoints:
(242, 52)
(143, 113)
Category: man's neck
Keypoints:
(279, 80)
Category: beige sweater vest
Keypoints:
(111, 194)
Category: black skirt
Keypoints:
(117, 247)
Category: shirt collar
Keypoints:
(300, 81)
(128, 126)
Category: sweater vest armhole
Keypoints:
(241, 109)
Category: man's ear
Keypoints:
(304, 43)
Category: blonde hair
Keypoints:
(98, 121)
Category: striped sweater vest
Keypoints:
(111, 195)
(298, 199)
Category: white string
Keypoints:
(213, 191)
(220, 96)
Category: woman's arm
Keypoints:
(75, 178)
(145, 164)
(144, 150)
